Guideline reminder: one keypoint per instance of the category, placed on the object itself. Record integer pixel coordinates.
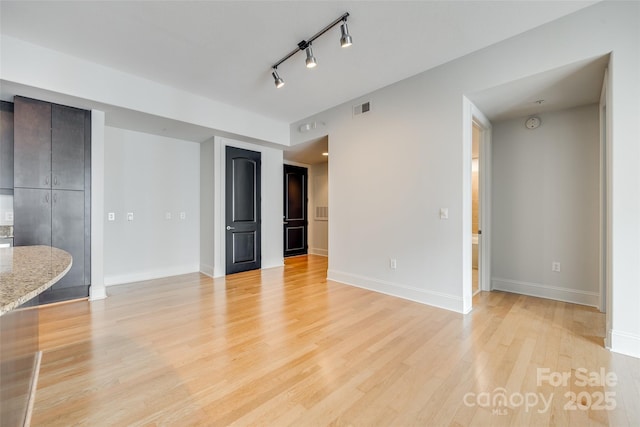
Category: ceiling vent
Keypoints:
(361, 108)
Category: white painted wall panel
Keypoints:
(150, 175)
(546, 205)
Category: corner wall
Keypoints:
(318, 196)
(546, 206)
(413, 140)
(150, 176)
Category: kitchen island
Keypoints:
(25, 272)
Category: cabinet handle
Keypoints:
(46, 198)
(55, 180)
(55, 198)
(46, 181)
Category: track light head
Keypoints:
(279, 82)
(311, 60)
(345, 38)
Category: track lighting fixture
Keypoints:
(345, 38)
(277, 79)
(310, 61)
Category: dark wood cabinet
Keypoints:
(52, 202)
(32, 217)
(67, 148)
(6, 145)
(67, 232)
(32, 139)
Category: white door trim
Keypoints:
(471, 114)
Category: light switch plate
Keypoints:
(444, 213)
(129, 216)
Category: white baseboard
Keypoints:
(436, 299)
(121, 279)
(545, 291)
(207, 270)
(318, 251)
(273, 263)
(97, 293)
(625, 343)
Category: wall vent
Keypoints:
(361, 108)
(322, 213)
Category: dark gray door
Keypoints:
(6, 145)
(67, 148)
(32, 220)
(67, 230)
(295, 210)
(32, 136)
(242, 201)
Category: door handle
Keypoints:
(230, 228)
(285, 222)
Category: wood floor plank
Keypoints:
(285, 346)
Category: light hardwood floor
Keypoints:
(285, 347)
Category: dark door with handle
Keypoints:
(295, 210)
(242, 205)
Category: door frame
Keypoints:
(471, 114)
(605, 277)
(270, 246)
(305, 203)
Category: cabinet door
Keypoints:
(67, 148)
(32, 217)
(68, 233)
(32, 143)
(6, 145)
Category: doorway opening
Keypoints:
(476, 231)
(312, 156)
(295, 211)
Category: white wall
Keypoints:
(33, 66)
(413, 140)
(546, 206)
(212, 228)
(318, 196)
(207, 208)
(97, 289)
(150, 175)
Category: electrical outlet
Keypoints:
(555, 266)
(167, 215)
(111, 216)
(393, 263)
(444, 213)
(8, 216)
(183, 215)
(129, 216)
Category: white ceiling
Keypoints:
(224, 49)
(309, 153)
(573, 85)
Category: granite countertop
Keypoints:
(27, 271)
